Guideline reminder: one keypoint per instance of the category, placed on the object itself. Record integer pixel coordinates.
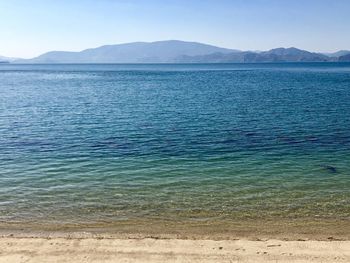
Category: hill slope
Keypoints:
(345, 58)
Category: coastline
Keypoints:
(289, 230)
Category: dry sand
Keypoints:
(254, 241)
(20, 249)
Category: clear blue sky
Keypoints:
(29, 28)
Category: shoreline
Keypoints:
(289, 230)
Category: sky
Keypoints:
(30, 28)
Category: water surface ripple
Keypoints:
(104, 143)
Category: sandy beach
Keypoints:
(256, 241)
(19, 249)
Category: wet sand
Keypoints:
(282, 229)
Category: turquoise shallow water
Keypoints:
(104, 143)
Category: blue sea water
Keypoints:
(104, 143)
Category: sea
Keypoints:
(106, 143)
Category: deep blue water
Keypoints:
(103, 143)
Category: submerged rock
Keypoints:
(330, 168)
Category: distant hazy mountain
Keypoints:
(290, 55)
(175, 51)
(345, 58)
(7, 59)
(138, 52)
(273, 55)
(338, 53)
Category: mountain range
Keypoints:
(175, 51)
